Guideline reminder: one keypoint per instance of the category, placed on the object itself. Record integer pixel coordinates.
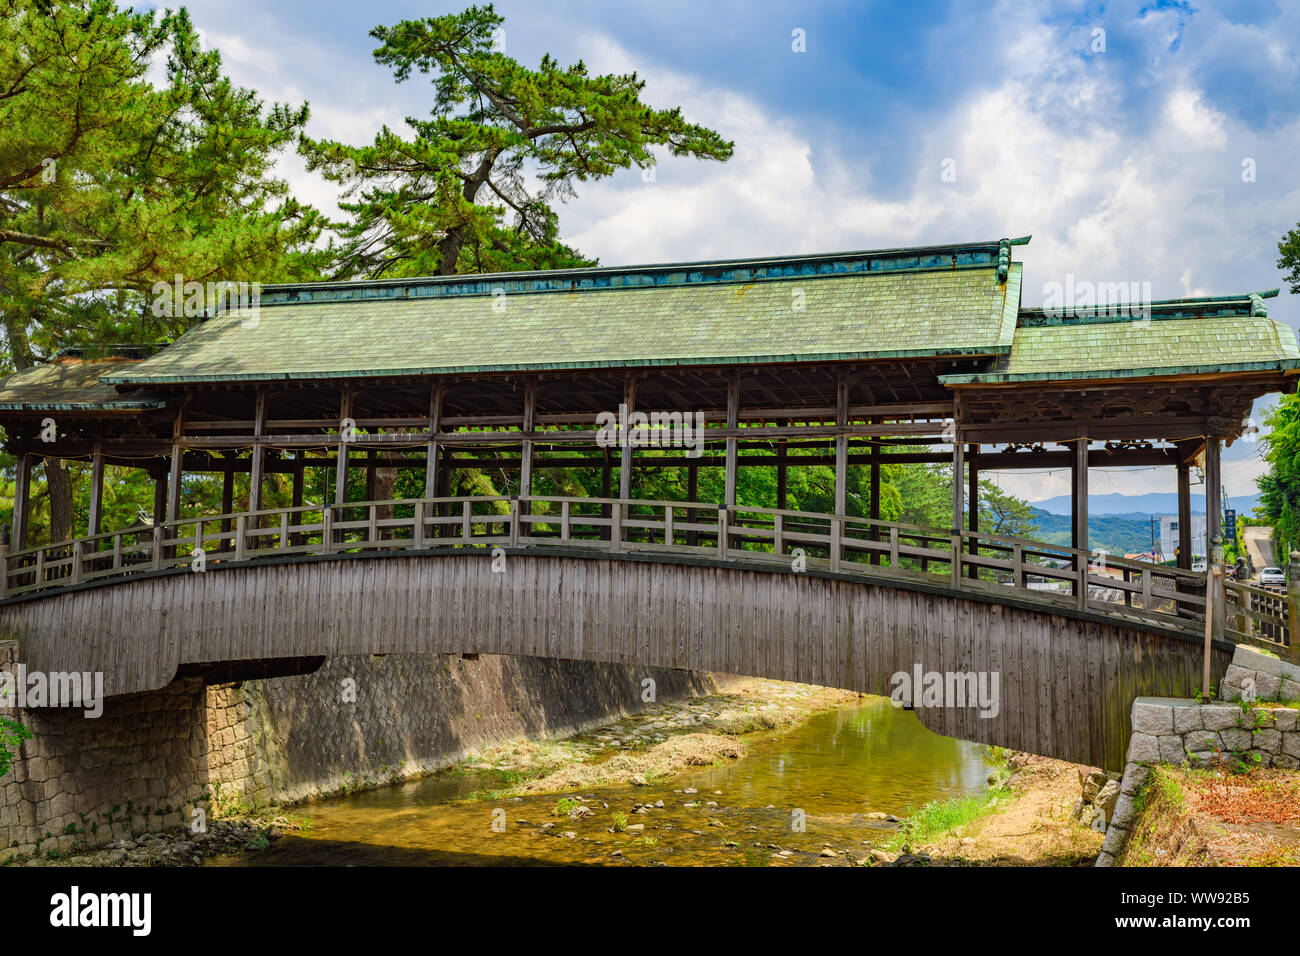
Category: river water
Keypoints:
(795, 798)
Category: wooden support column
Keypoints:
(875, 493)
(606, 487)
(299, 466)
(1184, 515)
(1213, 494)
(1079, 495)
(255, 466)
(160, 492)
(733, 422)
(625, 461)
(22, 499)
(174, 482)
(227, 489)
(782, 496)
(95, 518)
(526, 446)
(1079, 516)
(841, 443)
(973, 503)
(958, 483)
(433, 448)
(341, 461)
(692, 493)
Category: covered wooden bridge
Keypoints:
(387, 394)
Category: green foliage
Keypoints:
(564, 805)
(924, 824)
(1279, 488)
(457, 196)
(12, 735)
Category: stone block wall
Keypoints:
(1175, 731)
(150, 759)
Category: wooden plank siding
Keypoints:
(1067, 679)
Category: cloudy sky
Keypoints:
(1121, 135)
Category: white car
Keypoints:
(1272, 578)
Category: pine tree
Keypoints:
(472, 189)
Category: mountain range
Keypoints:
(1140, 506)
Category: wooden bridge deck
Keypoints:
(826, 599)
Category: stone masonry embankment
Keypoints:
(1176, 731)
(151, 759)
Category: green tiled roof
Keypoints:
(71, 383)
(924, 310)
(1164, 344)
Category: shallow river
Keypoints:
(825, 775)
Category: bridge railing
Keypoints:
(1047, 574)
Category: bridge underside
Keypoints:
(1066, 680)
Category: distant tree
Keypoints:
(471, 189)
(110, 183)
(1001, 513)
(1289, 258)
(1279, 488)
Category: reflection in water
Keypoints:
(837, 767)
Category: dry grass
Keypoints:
(1033, 828)
(1211, 818)
(671, 756)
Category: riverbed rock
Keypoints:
(1092, 784)
(1106, 798)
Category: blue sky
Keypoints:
(1125, 163)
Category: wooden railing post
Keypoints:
(417, 529)
(1082, 563)
(156, 550)
(4, 563)
(1017, 566)
(668, 525)
(724, 532)
(616, 526)
(778, 535)
(1293, 607)
(241, 543)
(515, 509)
(284, 531)
(893, 548)
(837, 532)
(954, 542)
(566, 529)
(76, 562)
(326, 528)
(466, 528)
